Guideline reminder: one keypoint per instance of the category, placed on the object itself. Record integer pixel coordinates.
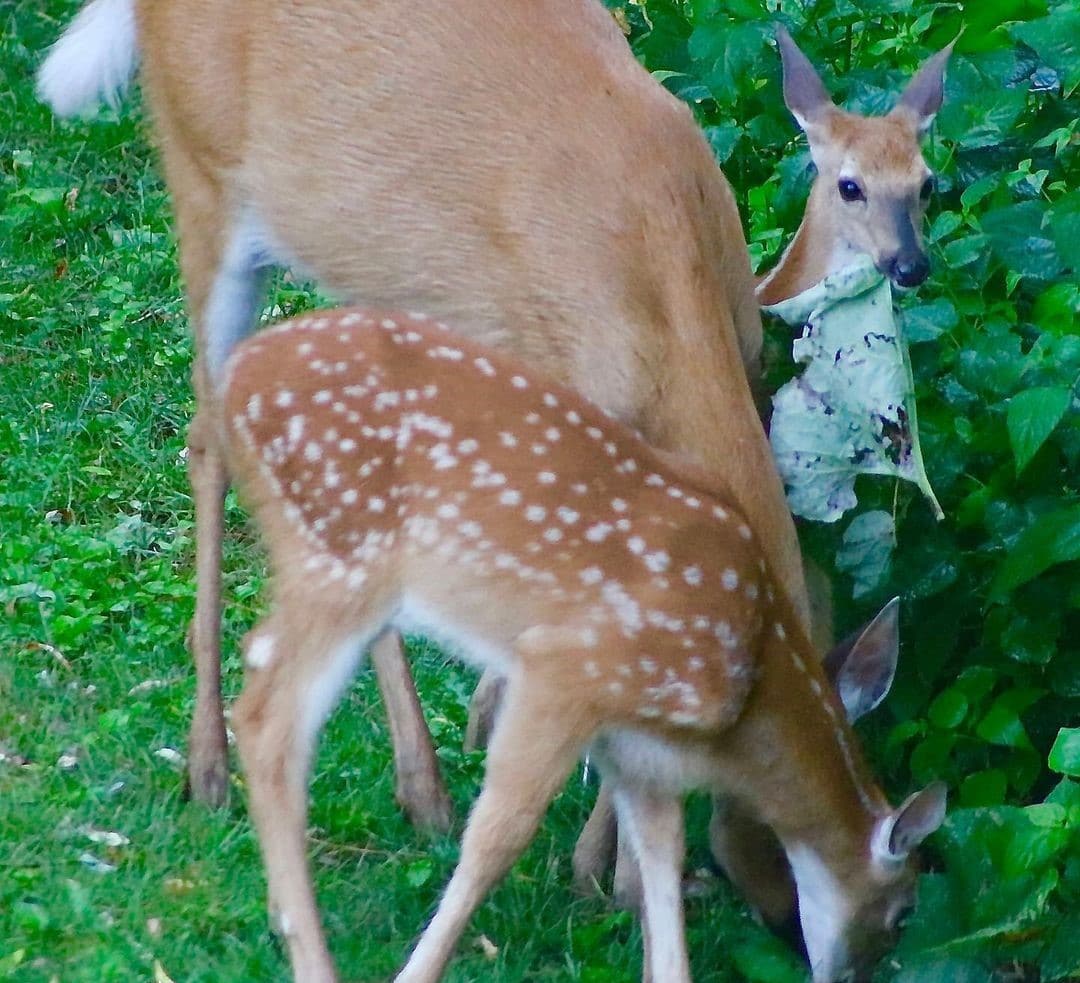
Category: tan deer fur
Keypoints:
(403, 476)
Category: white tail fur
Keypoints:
(405, 477)
(93, 61)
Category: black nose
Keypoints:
(909, 271)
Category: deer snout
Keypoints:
(907, 269)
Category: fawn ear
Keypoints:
(804, 92)
(863, 665)
(906, 827)
(925, 92)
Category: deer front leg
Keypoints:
(208, 758)
(534, 746)
(653, 825)
(419, 788)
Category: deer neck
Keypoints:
(799, 760)
(818, 249)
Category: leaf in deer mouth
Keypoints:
(852, 411)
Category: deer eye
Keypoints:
(850, 190)
(927, 189)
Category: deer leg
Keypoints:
(484, 709)
(277, 721)
(224, 283)
(532, 751)
(208, 761)
(419, 787)
(752, 859)
(653, 825)
(595, 848)
(626, 888)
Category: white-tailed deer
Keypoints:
(510, 167)
(872, 185)
(403, 476)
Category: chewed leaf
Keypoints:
(852, 411)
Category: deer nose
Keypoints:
(909, 270)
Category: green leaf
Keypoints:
(1020, 240)
(866, 554)
(764, 959)
(1065, 226)
(1051, 539)
(1065, 754)
(1032, 417)
(983, 788)
(1057, 40)
(419, 872)
(926, 322)
(722, 139)
(948, 709)
(963, 252)
(1002, 724)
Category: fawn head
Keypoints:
(849, 928)
(849, 922)
(872, 179)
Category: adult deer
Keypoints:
(404, 476)
(509, 167)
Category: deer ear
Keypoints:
(804, 92)
(862, 666)
(924, 93)
(906, 827)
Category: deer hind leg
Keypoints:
(602, 841)
(595, 848)
(484, 709)
(752, 859)
(533, 749)
(653, 825)
(224, 289)
(294, 680)
(419, 788)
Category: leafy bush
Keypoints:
(990, 666)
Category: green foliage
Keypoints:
(990, 667)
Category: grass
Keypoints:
(106, 873)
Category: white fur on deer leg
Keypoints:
(260, 652)
(236, 292)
